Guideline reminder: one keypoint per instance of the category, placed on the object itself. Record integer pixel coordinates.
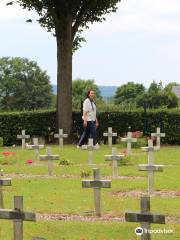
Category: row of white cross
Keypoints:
(110, 134)
(23, 137)
(150, 167)
(114, 157)
(129, 138)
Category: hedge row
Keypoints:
(42, 123)
(37, 123)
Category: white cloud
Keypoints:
(160, 17)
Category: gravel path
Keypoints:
(105, 218)
(23, 175)
(138, 193)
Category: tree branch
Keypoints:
(78, 21)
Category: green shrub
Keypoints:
(42, 123)
(36, 123)
(85, 174)
(125, 160)
(64, 161)
(141, 142)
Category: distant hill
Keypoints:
(106, 91)
(54, 88)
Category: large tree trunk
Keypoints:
(64, 75)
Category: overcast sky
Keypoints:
(140, 43)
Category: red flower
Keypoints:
(29, 161)
(137, 134)
(8, 153)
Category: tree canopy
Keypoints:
(23, 85)
(128, 93)
(157, 96)
(155, 88)
(154, 97)
(161, 99)
(169, 86)
(79, 91)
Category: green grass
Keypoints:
(67, 196)
(62, 193)
(72, 230)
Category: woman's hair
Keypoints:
(88, 92)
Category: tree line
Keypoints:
(128, 96)
(155, 96)
(24, 86)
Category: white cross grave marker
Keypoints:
(158, 136)
(50, 158)
(18, 216)
(23, 136)
(35, 146)
(96, 184)
(90, 147)
(60, 136)
(110, 134)
(129, 140)
(145, 217)
(114, 158)
(150, 167)
(3, 182)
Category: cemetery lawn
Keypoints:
(74, 230)
(63, 194)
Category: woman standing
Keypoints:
(90, 121)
